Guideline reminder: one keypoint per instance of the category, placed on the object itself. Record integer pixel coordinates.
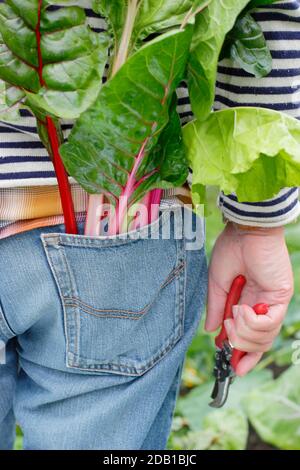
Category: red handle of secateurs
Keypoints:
(232, 299)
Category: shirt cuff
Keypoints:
(275, 212)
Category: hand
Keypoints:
(262, 257)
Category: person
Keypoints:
(96, 330)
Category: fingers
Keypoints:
(265, 323)
(247, 363)
(245, 330)
(247, 345)
(215, 306)
(254, 333)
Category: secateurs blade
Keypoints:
(227, 358)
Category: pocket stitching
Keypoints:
(131, 370)
(138, 371)
(75, 361)
(84, 306)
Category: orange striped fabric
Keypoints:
(28, 208)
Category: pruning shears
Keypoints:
(227, 358)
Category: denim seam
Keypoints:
(77, 311)
(54, 273)
(129, 370)
(180, 287)
(184, 291)
(5, 329)
(85, 307)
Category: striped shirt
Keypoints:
(24, 161)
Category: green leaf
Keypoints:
(274, 410)
(127, 119)
(157, 15)
(10, 102)
(247, 46)
(211, 27)
(152, 16)
(51, 55)
(251, 151)
(167, 161)
(115, 15)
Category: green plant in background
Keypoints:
(268, 398)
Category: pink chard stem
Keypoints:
(94, 214)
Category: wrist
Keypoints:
(252, 230)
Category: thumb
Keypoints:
(216, 301)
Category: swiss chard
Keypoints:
(211, 28)
(132, 21)
(246, 43)
(247, 46)
(127, 140)
(52, 62)
(110, 147)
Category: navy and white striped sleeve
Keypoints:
(281, 210)
(279, 91)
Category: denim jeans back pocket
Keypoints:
(123, 300)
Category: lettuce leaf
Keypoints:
(253, 152)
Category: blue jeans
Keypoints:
(96, 332)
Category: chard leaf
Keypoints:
(115, 15)
(151, 16)
(51, 55)
(167, 163)
(274, 410)
(246, 45)
(112, 140)
(10, 102)
(211, 28)
(251, 151)
(157, 15)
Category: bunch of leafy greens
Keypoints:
(127, 138)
